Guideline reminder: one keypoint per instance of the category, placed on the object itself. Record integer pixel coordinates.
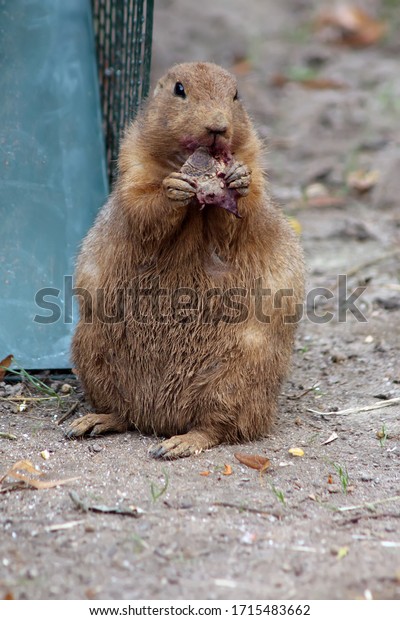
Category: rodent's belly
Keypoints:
(171, 360)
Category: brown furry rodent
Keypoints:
(171, 340)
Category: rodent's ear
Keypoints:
(158, 88)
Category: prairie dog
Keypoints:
(187, 314)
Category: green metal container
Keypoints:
(58, 144)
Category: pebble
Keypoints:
(338, 357)
(388, 303)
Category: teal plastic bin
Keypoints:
(53, 176)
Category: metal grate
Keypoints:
(123, 30)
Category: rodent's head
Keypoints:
(195, 104)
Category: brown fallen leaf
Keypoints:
(363, 180)
(330, 479)
(26, 466)
(279, 80)
(326, 201)
(205, 473)
(227, 470)
(4, 364)
(9, 596)
(351, 25)
(92, 593)
(255, 461)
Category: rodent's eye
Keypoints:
(179, 91)
(236, 97)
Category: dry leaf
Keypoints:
(326, 201)
(352, 25)
(4, 364)
(27, 466)
(92, 593)
(9, 596)
(205, 473)
(227, 470)
(296, 452)
(24, 465)
(255, 461)
(330, 479)
(295, 224)
(362, 180)
(342, 552)
(330, 439)
(279, 80)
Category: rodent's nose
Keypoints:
(217, 131)
(218, 125)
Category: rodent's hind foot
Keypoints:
(180, 446)
(94, 424)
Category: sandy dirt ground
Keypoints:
(322, 525)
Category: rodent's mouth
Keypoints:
(217, 145)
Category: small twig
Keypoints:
(28, 398)
(310, 389)
(63, 526)
(85, 507)
(357, 518)
(385, 403)
(247, 509)
(68, 413)
(370, 263)
(395, 498)
(391, 286)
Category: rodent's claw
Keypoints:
(242, 190)
(183, 178)
(180, 187)
(94, 424)
(180, 446)
(157, 452)
(238, 177)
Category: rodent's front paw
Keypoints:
(238, 177)
(180, 187)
